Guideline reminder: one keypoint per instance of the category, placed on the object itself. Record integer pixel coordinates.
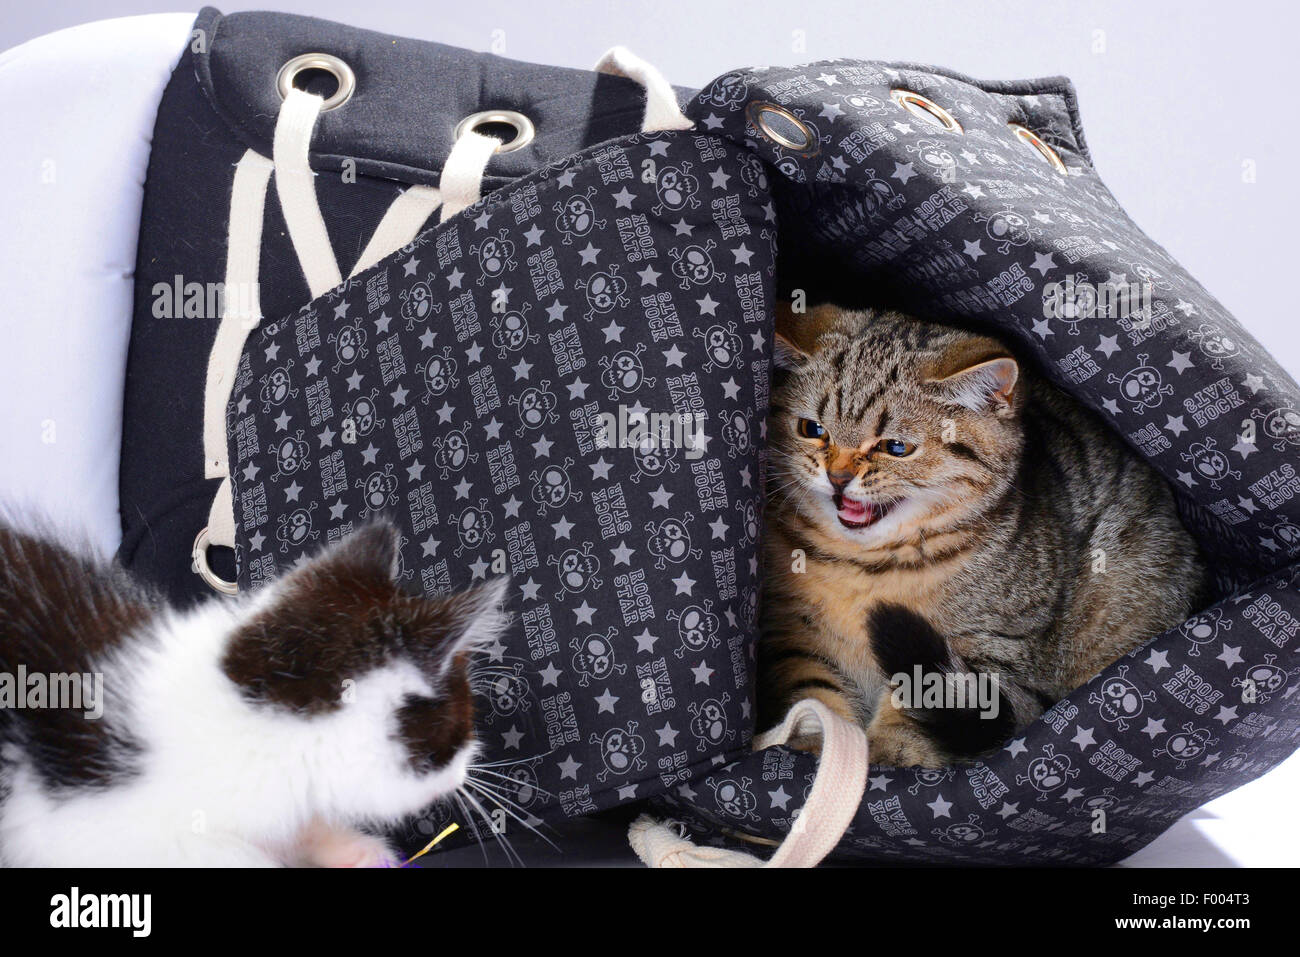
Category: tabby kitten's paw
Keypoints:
(894, 739)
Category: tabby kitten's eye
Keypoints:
(898, 448)
(811, 429)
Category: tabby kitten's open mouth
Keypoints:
(855, 514)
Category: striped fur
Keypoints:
(1019, 528)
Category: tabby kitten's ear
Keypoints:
(987, 386)
(797, 333)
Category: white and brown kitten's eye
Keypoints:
(811, 429)
(898, 448)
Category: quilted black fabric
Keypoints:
(976, 227)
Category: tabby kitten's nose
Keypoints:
(839, 479)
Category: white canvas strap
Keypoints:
(661, 109)
(832, 803)
(295, 183)
(404, 218)
(462, 175)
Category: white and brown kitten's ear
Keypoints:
(986, 386)
(797, 333)
(437, 631)
(370, 553)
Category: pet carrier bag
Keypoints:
(486, 373)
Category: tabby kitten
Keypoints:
(258, 731)
(934, 506)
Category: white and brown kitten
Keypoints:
(934, 505)
(259, 731)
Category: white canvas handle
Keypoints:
(832, 803)
(661, 109)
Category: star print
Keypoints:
(562, 528)
(312, 366)
(1226, 714)
(426, 339)
(973, 250)
(1248, 504)
(682, 228)
(462, 488)
(708, 305)
(940, 807)
(512, 506)
(1071, 795)
(550, 675)
(1243, 448)
(702, 673)
(250, 473)
(683, 583)
(337, 510)
(529, 589)
(1108, 345)
(292, 492)
(719, 528)
(569, 768)
(623, 199)
(577, 389)
(645, 641)
(354, 381)
(1253, 382)
(272, 351)
(256, 542)
(512, 737)
(600, 469)
(880, 782)
(565, 179)
(622, 554)
(399, 395)
(829, 79)
(779, 798)
(1186, 479)
(1042, 328)
(667, 736)
(1143, 778)
(479, 569)
(482, 221)
(1180, 362)
(1008, 810)
(453, 279)
(1043, 262)
(973, 191)
(830, 111)
(660, 496)
(1157, 661)
(242, 404)
(369, 454)
(1111, 406)
(429, 547)
(903, 172)
(606, 702)
(282, 421)
(445, 411)
(589, 255)
(1083, 737)
(649, 277)
(583, 613)
(719, 178)
(381, 324)
(1230, 656)
(1016, 747)
(410, 266)
(493, 428)
(744, 255)
(730, 388)
(474, 353)
(1175, 424)
(674, 356)
(534, 236)
(903, 128)
(1154, 728)
(613, 332)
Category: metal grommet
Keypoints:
(1043, 150)
(201, 568)
(782, 127)
(924, 108)
(342, 73)
(522, 125)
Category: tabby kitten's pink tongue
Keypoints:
(855, 514)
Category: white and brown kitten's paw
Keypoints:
(325, 846)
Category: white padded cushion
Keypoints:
(78, 108)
